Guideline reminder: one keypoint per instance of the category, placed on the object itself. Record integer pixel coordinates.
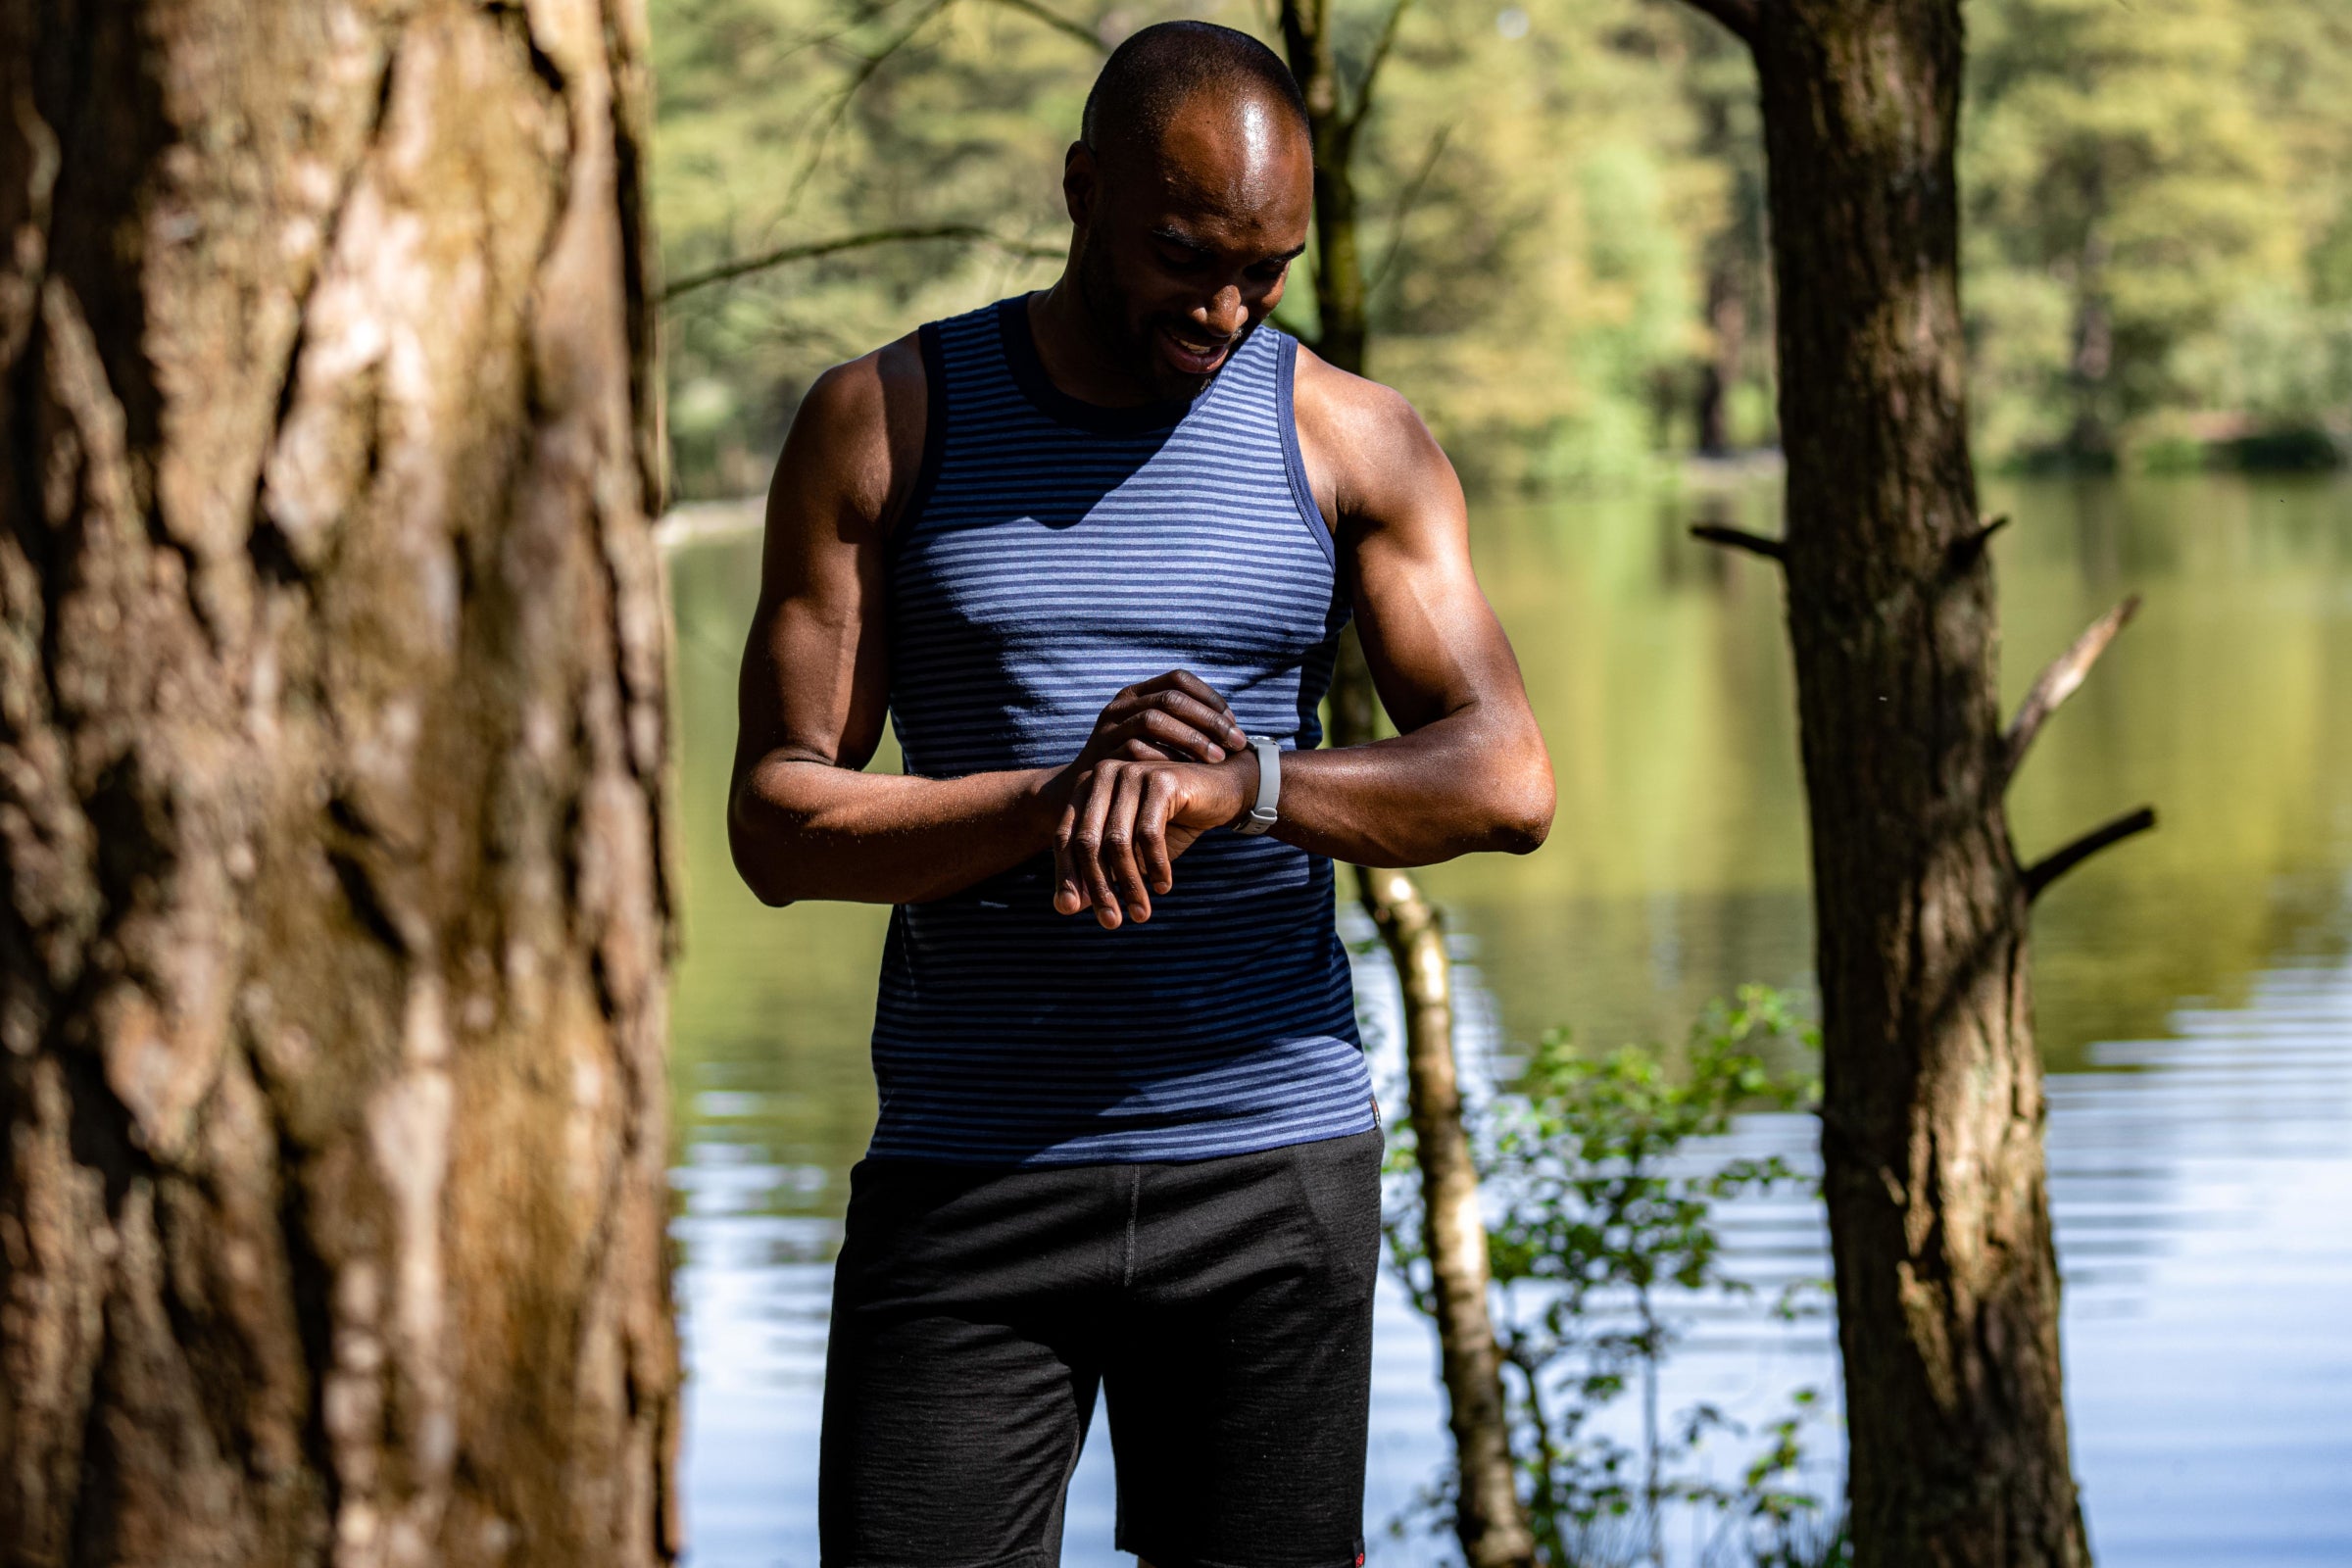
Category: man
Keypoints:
(1091, 549)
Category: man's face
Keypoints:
(1183, 248)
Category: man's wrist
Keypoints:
(1044, 793)
(1241, 767)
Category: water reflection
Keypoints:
(2195, 998)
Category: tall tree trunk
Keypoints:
(335, 908)
(1489, 1520)
(1932, 1137)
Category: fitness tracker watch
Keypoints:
(1262, 816)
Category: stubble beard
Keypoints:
(1125, 342)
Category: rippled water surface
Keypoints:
(2195, 998)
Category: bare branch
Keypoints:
(830, 120)
(744, 266)
(1058, 23)
(1755, 544)
(1378, 58)
(2057, 682)
(1741, 17)
(1404, 209)
(2050, 868)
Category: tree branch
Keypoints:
(1058, 23)
(1379, 57)
(868, 65)
(1404, 209)
(1969, 545)
(744, 266)
(2050, 868)
(1755, 544)
(2058, 682)
(1741, 16)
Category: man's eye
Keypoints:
(1182, 261)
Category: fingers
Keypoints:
(1086, 842)
(1152, 832)
(1185, 681)
(1176, 728)
(1118, 843)
(1068, 898)
(1185, 696)
(1111, 848)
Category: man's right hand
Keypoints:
(1177, 716)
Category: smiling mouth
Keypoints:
(1193, 358)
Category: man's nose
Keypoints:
(1225, 315)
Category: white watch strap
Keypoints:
(1264, 814)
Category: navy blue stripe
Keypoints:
(1293, 462)
(1054, 552)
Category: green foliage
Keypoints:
(788, 120)
(1532, 186)
(1601, 1221)
(2139, 252)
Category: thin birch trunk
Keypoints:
(1488, 1519)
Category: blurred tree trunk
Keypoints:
(334, 908)
(1487, 1518)
(1726, 350)
(1719, 81)
(1932, 1128)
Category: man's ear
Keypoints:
(1080, 187)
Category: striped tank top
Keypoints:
(1051, 553)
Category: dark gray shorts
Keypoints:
(1223, 1306)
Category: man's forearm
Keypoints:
(1467, 783)
(804, 829)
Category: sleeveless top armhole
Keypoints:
(935, 434)
(1293, 461)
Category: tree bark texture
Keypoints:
(1341, 331)
(334, 902)
(1946, 1276)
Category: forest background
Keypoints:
(1564, 215)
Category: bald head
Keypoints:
(1160, 70)
(1189, 196)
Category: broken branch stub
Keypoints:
(2056, 864)
(1755, 544)
(2058, 682)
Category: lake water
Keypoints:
(2194, 997)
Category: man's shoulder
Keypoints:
(1365, 436)
(856, 396)
(860, 424)
(1329, 390)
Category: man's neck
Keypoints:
(1073, 355)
